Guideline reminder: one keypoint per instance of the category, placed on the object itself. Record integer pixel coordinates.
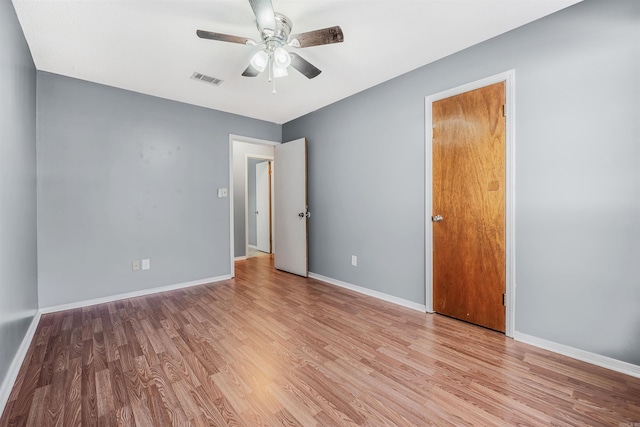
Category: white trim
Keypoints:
(110, 298)
(428, 205)
(565, 350)
(252, 247)
(240, 258)
(510, 203)
(233, 137)
(509, 78)
(14, 368)
(585, 356)
(369, 292)
(18, 359)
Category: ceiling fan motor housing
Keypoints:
(280, 35)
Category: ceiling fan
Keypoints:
(275, 30)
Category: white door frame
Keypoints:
(239, 138)
(509, 78)
(246, 196)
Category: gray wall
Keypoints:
(251, 199)
(577, 176)
(18, 256)
(124, 176)
(240, 152)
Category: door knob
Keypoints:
(436, 218)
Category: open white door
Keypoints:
(290, 196)
(263, 208)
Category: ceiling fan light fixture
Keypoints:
(279, 71)
(281, 58)
(260, 60)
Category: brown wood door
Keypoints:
(469, 259)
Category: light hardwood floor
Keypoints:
(271, 349)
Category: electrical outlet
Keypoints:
(354, 260)
(146, 264)
(136, 265)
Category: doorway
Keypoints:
(259, 205)
(290, 208)
(459, 269)
(240, 149)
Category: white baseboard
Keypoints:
(16, 364)
(240, 258)
(385, 297)
(253, 246)
(14, 369)
(585, 356)
(135, 294)
(12, 373)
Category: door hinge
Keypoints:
(504, 299)
(504, 110)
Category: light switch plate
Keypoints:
(136, 265)
(146, 264)
(222, 192)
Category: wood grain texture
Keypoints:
(272, 349)
(469, 262)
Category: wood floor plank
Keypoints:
(105, 394)
(272, 349)
(88, 396)
(73, 393)
(56, 403)
(172, 406)
(119, 388)
(37, 416)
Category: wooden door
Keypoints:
(469, 261)
(290, 194)
(263, 207)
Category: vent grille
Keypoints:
(206, 79)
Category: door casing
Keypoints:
(509, 78)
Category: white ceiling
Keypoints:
(151, 47)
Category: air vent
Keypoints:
(206, 79)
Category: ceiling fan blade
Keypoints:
(317, 37)
(224, 37)
(251, 71)
(265, 16)
(303, 66)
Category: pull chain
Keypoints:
(272, 77)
